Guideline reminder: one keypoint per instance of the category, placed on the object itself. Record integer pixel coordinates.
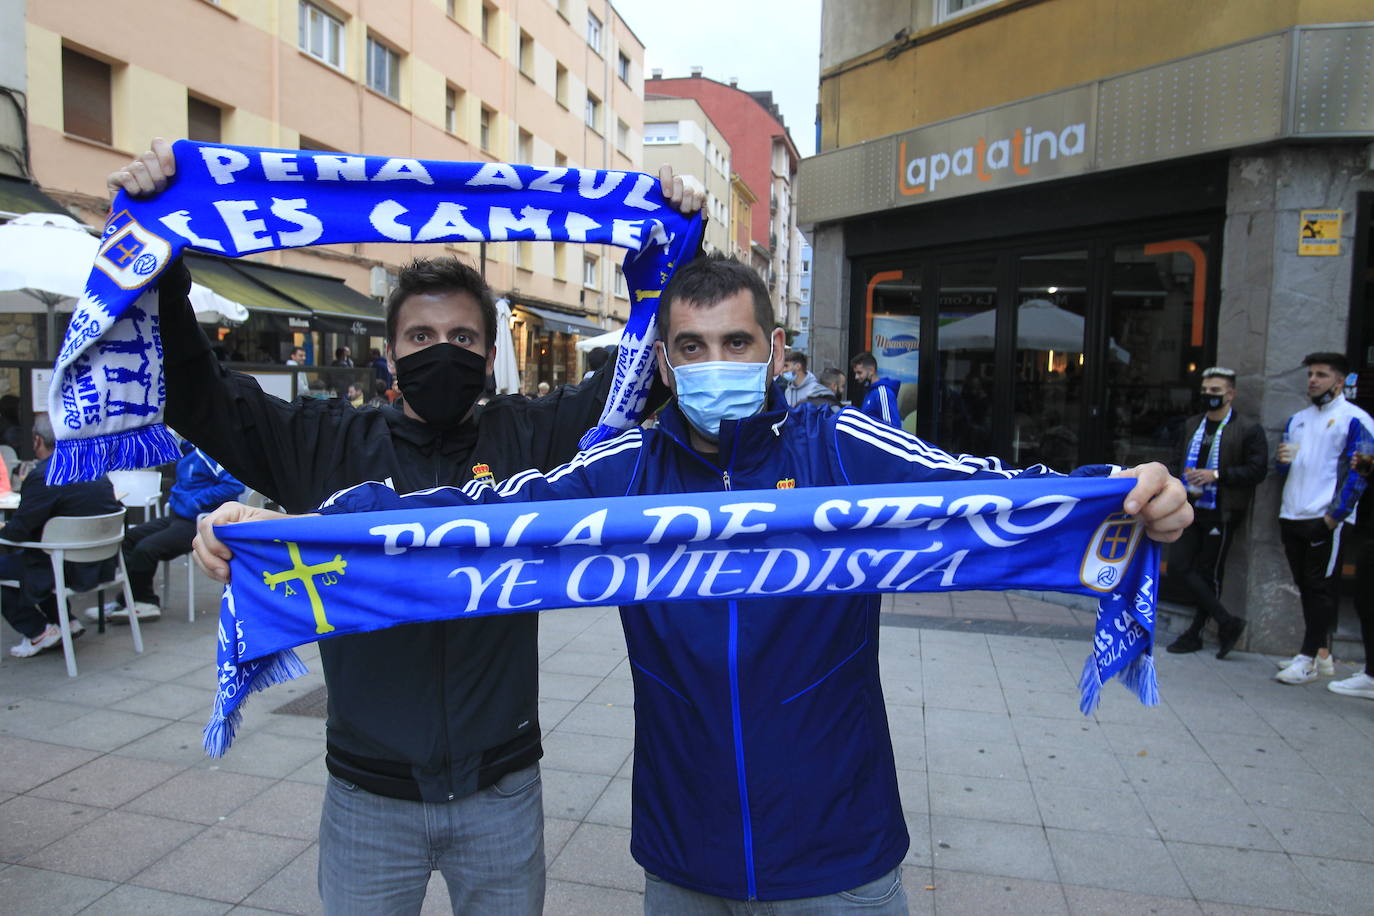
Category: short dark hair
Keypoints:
(597, 358)
(797, 356)
(831, 375)
(1333, 359)
(708, 280)
(864, 359)
(339, 352)
(441, 275)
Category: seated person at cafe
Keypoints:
(31, 608)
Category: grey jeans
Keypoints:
(883, 897)
(377, 853)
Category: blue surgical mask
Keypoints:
(710, 393)
(789, 376)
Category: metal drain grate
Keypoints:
(314, 704)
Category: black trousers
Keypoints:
(1314, 558)
(18, 606)
(147, 545)
(1198, 557)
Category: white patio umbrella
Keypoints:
(609, 339)
(507, 375)
(45, 259)
(1040, 325)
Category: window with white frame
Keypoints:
(524, 149)
(660, 132)
(560, 260)
(321, 35)
(622, 135)
(590, 278)
(453, 100)
(560, 85)
(526, 54)
(485, 123)
(383, 69)
(620, 289)
(593, 31)
(622, 67)
(948, 9)
(592, 114)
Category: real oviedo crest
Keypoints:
(1110, 552)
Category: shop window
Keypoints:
(320, 35)
(202, 120)
(86, 105)
(893, 306)
(1156, 314)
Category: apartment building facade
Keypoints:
(679, 133)
(1110, 197)
(548, 82)
(765, 159)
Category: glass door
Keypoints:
(893, 310)
(965, 320)
(1156, 310)
(1051, 359)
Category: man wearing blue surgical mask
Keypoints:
(764, 778)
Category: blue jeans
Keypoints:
(377, 853)
(883, 897)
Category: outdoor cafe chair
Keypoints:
(82, 539)
(139, 490)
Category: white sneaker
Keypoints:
(1302, 670)
(93, 613)
(45, 640)
(75, 627)
(1359, 685)
(115, 612)
(1326, 667)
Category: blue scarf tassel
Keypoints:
(1139, 677)
(276, 668)
(131, 449)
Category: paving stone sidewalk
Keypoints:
(1236, 795)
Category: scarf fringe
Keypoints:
(1139, 677)
(90, 458)
(278, 668)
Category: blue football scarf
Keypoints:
(108, 389)
(296, 581)
(1207, 499)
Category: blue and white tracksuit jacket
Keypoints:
(880, 401)
(1319, 481)
(763, 764)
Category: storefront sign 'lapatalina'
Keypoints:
(1047, 137)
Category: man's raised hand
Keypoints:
(148, 174)
(1159, 500)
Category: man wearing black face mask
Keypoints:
(1319, 496)
(1224, 456)
(433, 736)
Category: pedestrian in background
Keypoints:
(1224, 457)
(802, 387)
(1319, 496)
(879, 394)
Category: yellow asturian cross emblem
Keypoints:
(305, 573)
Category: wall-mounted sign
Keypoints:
(1046, 137)
(1319, 232)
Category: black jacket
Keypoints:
(429, 711)
(39, 502)
(1243, 462)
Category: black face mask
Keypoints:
(1212, 401)
(441, 383)
(1327, 396)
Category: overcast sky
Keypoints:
(769, 44)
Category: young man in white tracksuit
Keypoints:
(1319, 496)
